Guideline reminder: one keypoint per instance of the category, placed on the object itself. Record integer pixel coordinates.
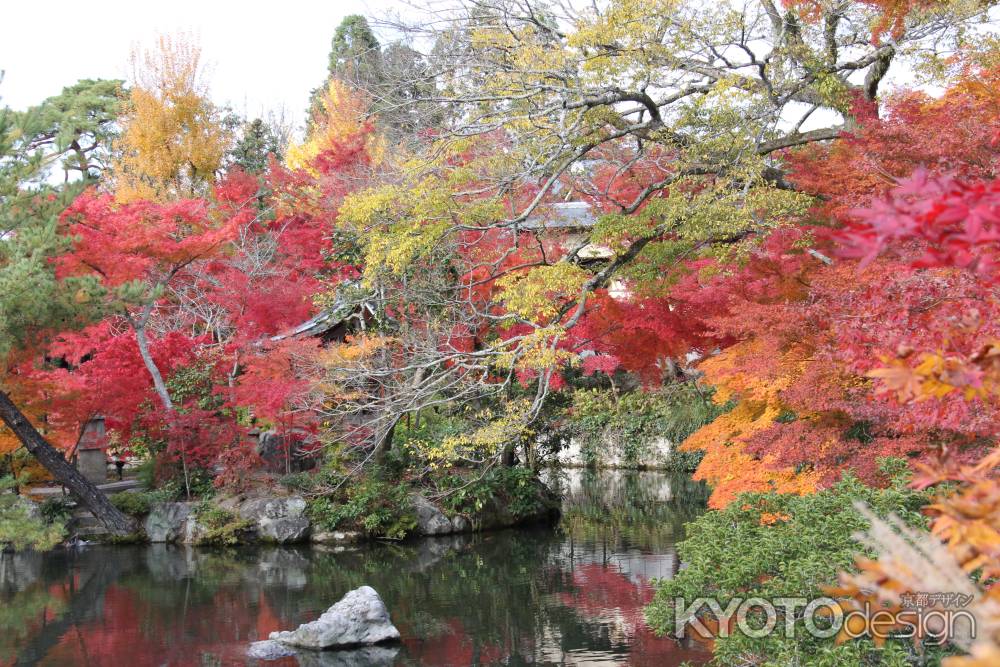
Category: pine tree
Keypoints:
(32, 299)
(258, 141)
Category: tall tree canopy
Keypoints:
(172, 140)
(396, 78)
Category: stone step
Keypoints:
(109, 487)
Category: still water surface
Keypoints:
(566, 596)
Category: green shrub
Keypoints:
(139, 503)
(515, 488)
(133, 504)
(379, 508)
(684, 461)
(222, 527)
(21, 525)
(145, 473)
(299, 481)
(167, 478)
(57, 509)
(780, 545)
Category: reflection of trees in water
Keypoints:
(462, 596)
(511, 597)
(102, 605)
(645, 510)
(70, 591)
(478, 600)
(24, 603)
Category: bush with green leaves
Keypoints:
(221, 526)
(380, 508)
(516, 489)
(302, 482)
(632, 421)
(782, 545)
(22, 525)
(156, 472)
(57, 509)
(139, 503)
(422, 431)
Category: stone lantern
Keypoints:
(92, 450)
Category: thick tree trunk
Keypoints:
(384, 445)
(116, 522)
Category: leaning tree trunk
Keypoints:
(88, 494)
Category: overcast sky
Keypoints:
(260, 55)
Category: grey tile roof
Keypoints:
(564, 215)
(341, 310)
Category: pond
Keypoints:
(572, 595)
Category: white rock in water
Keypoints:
(269, 650)
(359, 619)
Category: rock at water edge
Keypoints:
(279, 520)
(430, 520)
(166, 522)
(269, 650)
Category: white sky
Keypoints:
(260, 55)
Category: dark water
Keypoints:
(566, 596)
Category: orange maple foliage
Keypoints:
(727, 467)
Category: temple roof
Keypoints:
(338, 314)
(564, 215)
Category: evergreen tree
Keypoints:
(32, 299)
(396, 77)
(355, 58)
(257, 142)
(355, 54)
(78, 126)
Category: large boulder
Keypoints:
(430, 520)
(167, 522)
(279, 520)
(195, 532)
(494, 514)
(359, 619)
(293, 451)
(461, 524)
